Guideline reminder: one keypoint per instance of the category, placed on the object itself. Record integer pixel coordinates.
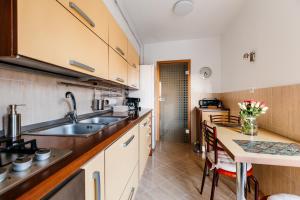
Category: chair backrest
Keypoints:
(225, 119)
(210, 135)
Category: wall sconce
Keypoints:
(250, 56)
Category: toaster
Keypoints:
(205, 103)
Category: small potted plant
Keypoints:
(250, 110)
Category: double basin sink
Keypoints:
(83, 128)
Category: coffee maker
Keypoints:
(133, 106)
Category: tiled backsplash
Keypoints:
(44, 98)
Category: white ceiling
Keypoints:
(154, 20)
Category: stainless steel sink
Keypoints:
(77, 130)
(103, 120)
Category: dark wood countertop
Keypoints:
(212, 109)
(83, 149)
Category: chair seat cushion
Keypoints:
(225, 162)
(284, 197)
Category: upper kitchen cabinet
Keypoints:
(133, 57)
(117, 38)
(117, 67)
(93, 13)
(133, 77)
(39, 33)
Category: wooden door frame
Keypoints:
(157, 104)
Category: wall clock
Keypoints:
(205, 72)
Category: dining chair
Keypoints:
(225, 119)
(281, 197)
(221, 163)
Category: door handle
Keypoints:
(125, 144)
(120, 80)
(162, 99)
(97, 180)
(131, 193)
(81, 65)
(82, 14)
(120, 51)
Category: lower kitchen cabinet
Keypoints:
(121, 159)
(131, 187)
(144, 143)
(94, 178)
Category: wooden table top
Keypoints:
(226, 137)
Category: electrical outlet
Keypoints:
(187, 131)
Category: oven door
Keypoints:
(72, 188)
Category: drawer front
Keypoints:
(42, 36)
(93, 13)
(94, 177)
(131, 187)
(120, 161)
(117, 38)
(133, 77)
(206, 115)
(144, 150)
(117, 68)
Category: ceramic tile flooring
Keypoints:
(174, 172)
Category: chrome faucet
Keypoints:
(72, 114)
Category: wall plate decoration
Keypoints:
(205, 72)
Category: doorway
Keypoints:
(173, 86)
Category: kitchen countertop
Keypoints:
(83, 149)
(213, 109)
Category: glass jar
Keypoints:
(249, 126)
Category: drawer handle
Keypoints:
(81, 65)
(120, 80)
(97, 180)
(81, 13)
(125, 144)
(131, 193)
(120, 51)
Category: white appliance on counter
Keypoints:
(146, 94)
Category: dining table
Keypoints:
(266, 148)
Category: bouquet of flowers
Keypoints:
(250, 110)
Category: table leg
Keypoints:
(241, 181)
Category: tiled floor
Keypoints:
(174, 172)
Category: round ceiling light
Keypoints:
(183, 7)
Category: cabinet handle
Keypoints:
(131, 193)
(133, 65)
(133, 85)
(81, 13)
(125, 144)
(120, 51)
(97, 180)
(120, 80)
(81, 65)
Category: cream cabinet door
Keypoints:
(117, 68)
(48, 32)
(93, 13)
(133, 77)
(120, 160)
(117, 38)
(133, 57)
(131, 187)
(94, 178)
(144, 148)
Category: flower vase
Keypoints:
(249, 126)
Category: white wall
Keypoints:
(202, 52)
(272, 29)
(110, 4)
